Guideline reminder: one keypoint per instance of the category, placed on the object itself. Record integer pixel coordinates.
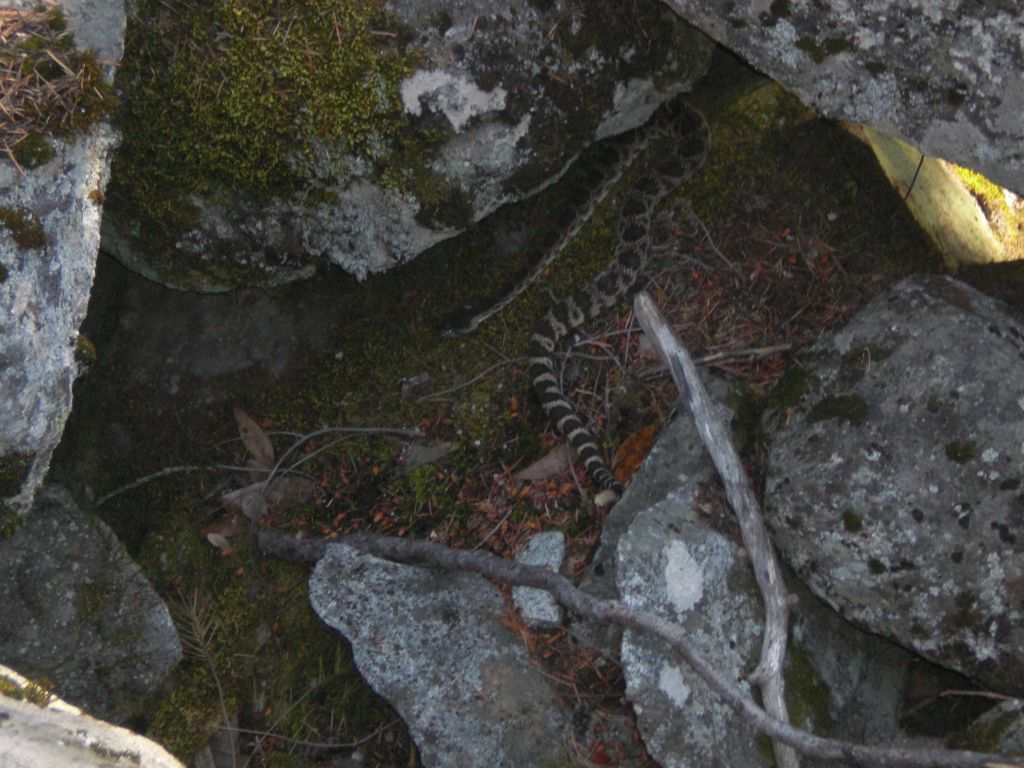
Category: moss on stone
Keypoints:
(32, 692)
(1005, 219)
(987, 192)
(245, 92)
(961, 451)
(14, 468)
(90, 598)
(850, 408)
(831, 46)
(85, 351)
(807, 694)
(987, 733)
(62, 90)
(790, 388)
(852, 521)
(32, 151)
(9, 521)
(779, 9)
(25, 228)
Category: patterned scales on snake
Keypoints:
(679, 137)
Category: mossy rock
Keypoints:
(358, 137)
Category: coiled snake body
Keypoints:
(684, 134)
(679, 136)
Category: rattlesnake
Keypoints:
(679, 137)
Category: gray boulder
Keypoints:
(79, 613)
(539, 609)
(680, 558)
(673, 472)
(1001, 729)
(473, 105)
(49, 236)
(684, 570)
(894, 486)
(432, 643)
(37, 733)
(946, 77)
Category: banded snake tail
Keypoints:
(681, 134)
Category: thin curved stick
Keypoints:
(617, 612)
(767, 572)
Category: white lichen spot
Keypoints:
(1020, 403)
(670, 681)
(684, 577)
(989, 455)
(455, 96)
(933, 489)
(632, 103)
(868, 39)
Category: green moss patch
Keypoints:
(13, 471)
(50, 88)
(239, 92)
(852, 521)
(1005, 218)
(849, 408)
(25, 228)
(32, 692)
(961, 451)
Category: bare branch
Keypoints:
(586, 605)
(768, 674)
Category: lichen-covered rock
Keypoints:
(943, 75)
(687, 572)
(1001, 729)
(433, 644)
(78, 612)
(539, 608)
(369, 131)
(49, 236)
(676, 461)
(895, 486)
(38, 729)
(679, 558)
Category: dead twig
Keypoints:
(768, 674)
(145, 479)
(472, 381)
(273, 472)
(617, 612)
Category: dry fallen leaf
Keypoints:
(290, 491)
(550, 464)
(283, 493)
(220, 532)
(418, 454)
(645, 348)
(255, 440)
(250, 501)
(219, 542)
(632, 452)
